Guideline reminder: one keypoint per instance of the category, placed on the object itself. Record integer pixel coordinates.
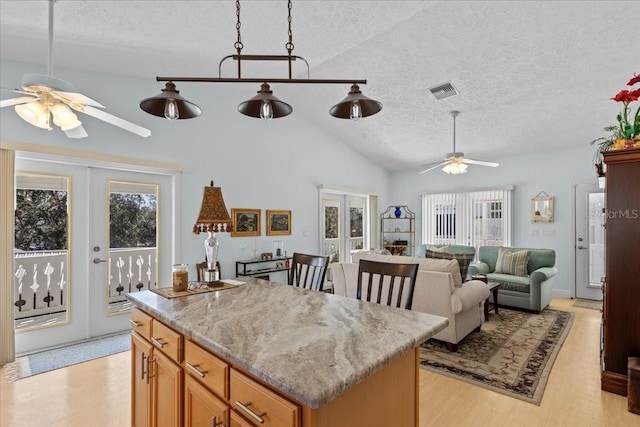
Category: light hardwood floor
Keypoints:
(97, 393)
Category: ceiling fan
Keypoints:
(45, 99)
(455, 163)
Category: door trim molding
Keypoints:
(67, 155)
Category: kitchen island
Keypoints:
(281, 356)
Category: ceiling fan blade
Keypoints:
(77, 132)
(116, 121)
(77, 98)
(16, 101)
(23, 92)
(432, 167)
(481, 163)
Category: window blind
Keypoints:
(473, 218)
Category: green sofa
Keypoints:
(530, 292)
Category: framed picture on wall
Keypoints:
(278, 223)
(246, 222)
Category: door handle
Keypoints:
(582, 247)
(98, 260)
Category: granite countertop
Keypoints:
(312, 346)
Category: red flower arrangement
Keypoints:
(627, 133)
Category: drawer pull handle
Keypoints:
(194, 369)
(245, 408)
(134, 323)
(215, 423)
(157, 342)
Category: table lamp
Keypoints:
(213, 218)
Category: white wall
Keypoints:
(265, 165)
(555, 173)
(279, 164)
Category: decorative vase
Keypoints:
(397, 212)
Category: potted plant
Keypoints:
(626, 134)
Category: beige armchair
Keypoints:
(439, 290)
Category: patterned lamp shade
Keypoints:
(214, 215)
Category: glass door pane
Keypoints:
(132, 256)
(41, 255)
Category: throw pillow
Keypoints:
(514, 263)
(463, 260)
(433, 248)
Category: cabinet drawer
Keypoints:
(206, 368)
(167, 340)
(256, 402)
(141, 323)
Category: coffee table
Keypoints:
(493, 287)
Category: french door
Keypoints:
(118, 231)
(344, 225)
(589, 241)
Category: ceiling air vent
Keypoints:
(443, 91)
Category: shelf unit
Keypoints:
(621, 316)
(397, 229)
(241, 266)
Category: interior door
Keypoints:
(79, 292)
(589, 241)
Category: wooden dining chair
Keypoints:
(201, 268)
(308, 271)
(397, 281)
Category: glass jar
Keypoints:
(278, 249)
(180, 276)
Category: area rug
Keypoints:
(588, 303)
(512, 354)
(49, 360)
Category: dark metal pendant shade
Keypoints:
(252, 107)
(368, 106)
(156, 105)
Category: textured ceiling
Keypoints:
(532, 75)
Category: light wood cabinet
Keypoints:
(201, 387)
(201, 407)
(140, 390)
(166, 381)
(156, 377)
(238, 421)
(260, 404)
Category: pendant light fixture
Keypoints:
(170, 104)
(264, 105)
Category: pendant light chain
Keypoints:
(238, 44)
(289, 46)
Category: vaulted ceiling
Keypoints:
(531, 75)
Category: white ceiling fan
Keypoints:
(45, 99)
(455, 163)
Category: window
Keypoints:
(474, 218)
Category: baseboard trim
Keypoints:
(614, 383)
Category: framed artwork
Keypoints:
(278, 223)
(541, 209)
(246, 222)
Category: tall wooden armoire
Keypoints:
(621, 315)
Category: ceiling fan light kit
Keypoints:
(455, 163)
(265, 105)
(47, 99)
